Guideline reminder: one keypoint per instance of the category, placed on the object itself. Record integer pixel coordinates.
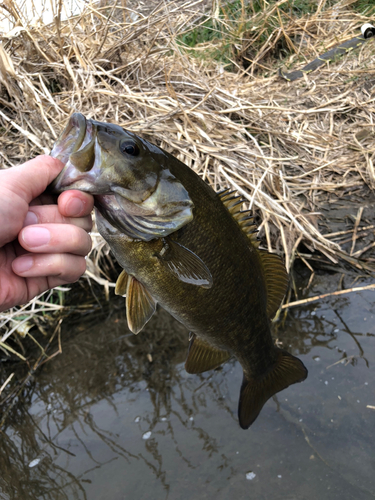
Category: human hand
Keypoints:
(42, 245)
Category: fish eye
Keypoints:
(129, 147)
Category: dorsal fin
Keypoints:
(276, 279)
(233, 203)
(274, 272)
(222, 194)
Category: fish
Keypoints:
(183, 246)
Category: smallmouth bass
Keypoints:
(186, 247)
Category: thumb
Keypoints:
(18, 187)
(30, 179)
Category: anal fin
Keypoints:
(256, 391)
(140, 306)
(202, 356)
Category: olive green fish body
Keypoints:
(232, 313)
(187, 248)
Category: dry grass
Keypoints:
(288, 148)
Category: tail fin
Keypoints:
(256, 391)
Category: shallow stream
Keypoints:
(115, 416)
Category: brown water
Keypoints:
(117, 417)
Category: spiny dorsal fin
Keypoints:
(246, 222)
(203, 356)
(222, 194)
(274, 272)
(276, 279)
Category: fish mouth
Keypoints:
(77, 148)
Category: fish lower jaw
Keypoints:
(71, 178)
(80, 184)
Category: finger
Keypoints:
(50, 214)
(36, 286)
(19, 186)
(65, 267)
(74, 203)
(55, 238)
(30, 179)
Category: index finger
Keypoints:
(50, 214)
(31, 178)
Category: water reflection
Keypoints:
(99, 364)
(116, 415)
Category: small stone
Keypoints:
(146, 435)
(250, 476)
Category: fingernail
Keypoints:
(36, 236)
(23, 264)
(31, 218)
(74, 207)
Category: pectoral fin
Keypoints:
(122, 283)
(140, 306)
(203, 356)
(184, 264)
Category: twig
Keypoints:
(6, 382)
(323, 296)
(357, 221)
